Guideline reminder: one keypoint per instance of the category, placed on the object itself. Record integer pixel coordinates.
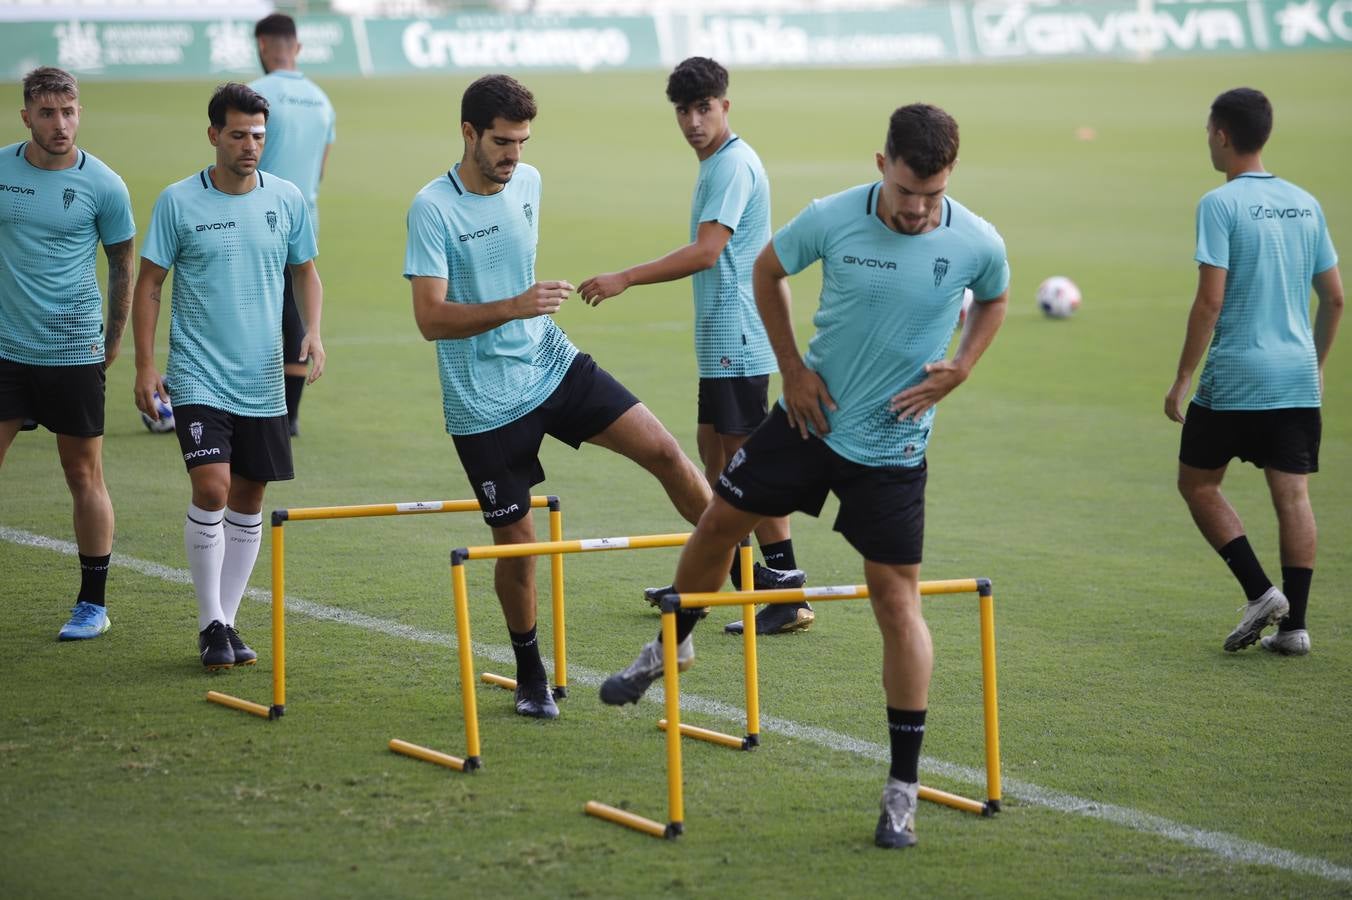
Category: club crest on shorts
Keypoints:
(67, 198)
(195, 429)
(490, 490)
(940, 270)
(272, 220)
(737, 459)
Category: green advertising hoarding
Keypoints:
(955, 32)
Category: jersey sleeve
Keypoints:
(425, 253)
(992, 279)
(114, 220)
(1325, 257)
(1214, 222)
(729, 190)
(802, 241)
(301, 246)
(333, 126)
(161, 245)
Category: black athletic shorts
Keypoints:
(293, 326)
(1285, 439)
(65, 399)
(257, 448)
(733, 405)
(503, 464)
(776, 472)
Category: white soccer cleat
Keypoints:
(1288, 643)
(1259, 614)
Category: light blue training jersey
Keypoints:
(888, 305)
(732, 190)
(51, 223)
(300, 127)
(484, 246)
(228, 253)
(1271, 238)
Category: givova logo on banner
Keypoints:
(1057, 29)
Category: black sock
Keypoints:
(1238, 555)
(294, 385)
(93, 578)
(736, 572)
(686, 620)
(779, 555)
(530, 669)
(1296, 587)
(906, 727)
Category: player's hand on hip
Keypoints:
(148, 383)
(602, 287)
(312, 351)
(1173, 401)
(940, 379)
(805, 398)
(542, 299)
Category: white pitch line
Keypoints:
(1226, 846)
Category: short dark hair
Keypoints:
(1245, 114)
(238, 97)
(696, 78)
(49, 80)
(496, 97)
(924, 137)
(276, 25)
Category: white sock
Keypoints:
(243, 536)
(203, 537)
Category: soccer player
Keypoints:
(509, 375)
(227, 232)
(300, 135)
(856, 413)
(1261, 243)
(729, 224)
(57, 204)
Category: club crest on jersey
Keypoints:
(67, 198)
(940, 270)
(725, 362)
(530, 213)
(490, 492)
(272, 220)
(195, 429)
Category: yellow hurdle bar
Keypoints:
(460, 590)
(501, 681)
(671, 685)
(591, 545)
(979, 586)
(627, 819)
(256, 709)
(751, 673)
(409, 508)
(428, 755)
(556, 593)
(704, 734)
(278, 620)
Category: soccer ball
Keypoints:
(165, 423)
(1058, 297)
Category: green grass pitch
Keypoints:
(1139, 758)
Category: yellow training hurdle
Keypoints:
(671, 687)
(473, 758)
(411, 508)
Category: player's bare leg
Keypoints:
(514, 580)
(9, 429)
(639, 436)
(1299, 537)
(1215, 517)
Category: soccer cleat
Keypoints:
(778, 618)
(214, 644)
(536, 701)
(29, 425)
(87, 620)
(1264, 611)
(629, 685)
(244, 654)
(1288, 643)
(896, 825)
(654, 595)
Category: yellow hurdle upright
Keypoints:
(408, 508)
(672, 603)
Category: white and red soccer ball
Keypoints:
(1058, 297)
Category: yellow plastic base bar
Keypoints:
(501, 681)
(713, 737)
(629, 820)
(256, 709)
(934, 795)
(434, 756)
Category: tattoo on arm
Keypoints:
(119, 289)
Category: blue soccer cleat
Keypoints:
(86, 621)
